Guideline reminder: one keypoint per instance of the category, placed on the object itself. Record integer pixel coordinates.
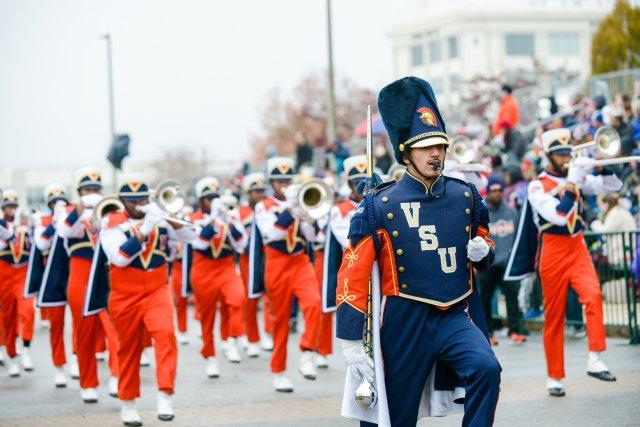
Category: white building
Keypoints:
(454, 41)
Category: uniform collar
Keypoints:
(437, 188)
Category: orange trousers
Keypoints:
(9, 303)
(139, 300)
(564, 262)
(180, 302)
(287, 276)
(55, 315)
(325, 327)
(251, 306)
(26, 306)
(89, 331)
(213, 281)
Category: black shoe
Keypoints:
(556, 392)
(602, 375)
(132, 423)
(165, 417)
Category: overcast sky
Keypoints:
(187, 72)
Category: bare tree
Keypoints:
(287, 121)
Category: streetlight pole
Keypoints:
(112, 116)
(331, 104)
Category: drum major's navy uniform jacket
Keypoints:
(423, 233)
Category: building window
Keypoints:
(416, 56)
(435, 51)
(454, 83)
(563, 44)
(437, 85)
(519, 44)
(453, 47)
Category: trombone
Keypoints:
(607, 142)
(463, 153)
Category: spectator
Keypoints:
(304, 153)
(631, 186)
(614, 218)
(340, 152)
(635, 125)
(502, 227)
(382, 157)
(508, 113)
(625, 132)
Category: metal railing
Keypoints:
(613, 83)
(614, 255)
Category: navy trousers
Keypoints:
(414, 336)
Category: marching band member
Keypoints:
(339, 217)
(44, 230)
(254, 185)
(73, 223)
(136, 244)
(288, 271)
(175, 282)
(213, 273)
(553, 217)
(428, 232)
(17, 311)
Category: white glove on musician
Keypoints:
(216, 207)
(578, 170)
(291, 195)
(357, 359)
(5, 233)
(152, 216)
(477, 249)
(59, 209)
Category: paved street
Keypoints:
(243, 394)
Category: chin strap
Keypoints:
(418, 170)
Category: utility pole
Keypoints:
(112, 119)
(331, 104)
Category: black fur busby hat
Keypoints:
(410, 113)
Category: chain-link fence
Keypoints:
(616, 259)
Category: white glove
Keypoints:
(291, 195)
(359, 362)
(578, 170)
(477, 248)
(59, 209)
(91, 200)
(5, 233)
(215, 208)
(152, 216)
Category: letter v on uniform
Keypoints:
(411, 213)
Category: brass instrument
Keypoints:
(104, 206)
(315, 198)
(396, 172)
(463, 153)
(607, 142)
(366, 395)
(228, 202)
(169, 197)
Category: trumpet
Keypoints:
(464, 154)
(315, 198)
(607, 142)
(169, 197)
